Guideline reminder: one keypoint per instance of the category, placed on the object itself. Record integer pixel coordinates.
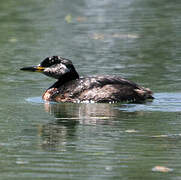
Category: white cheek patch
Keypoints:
(64, 68)
(60, 70)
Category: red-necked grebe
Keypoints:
(69, 87)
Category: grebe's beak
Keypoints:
(33, 69)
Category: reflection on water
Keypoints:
(83, 112)
(55, 135)
(68, 116)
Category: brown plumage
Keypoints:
(70, 88)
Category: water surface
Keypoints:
(139, 40)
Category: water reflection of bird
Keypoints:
(71, 88)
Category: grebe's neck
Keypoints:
(64, 79)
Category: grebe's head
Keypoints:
(56, 67)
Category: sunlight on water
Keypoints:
(163, 102)
(37, 100)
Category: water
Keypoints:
(137, 39)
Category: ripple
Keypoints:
(163, 102)
(35, 100)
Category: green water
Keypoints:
(139, 40)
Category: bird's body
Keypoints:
(70, 88)
(97, 89)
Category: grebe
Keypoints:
(69, 87)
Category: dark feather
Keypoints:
(70, 88)
(100, 89)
